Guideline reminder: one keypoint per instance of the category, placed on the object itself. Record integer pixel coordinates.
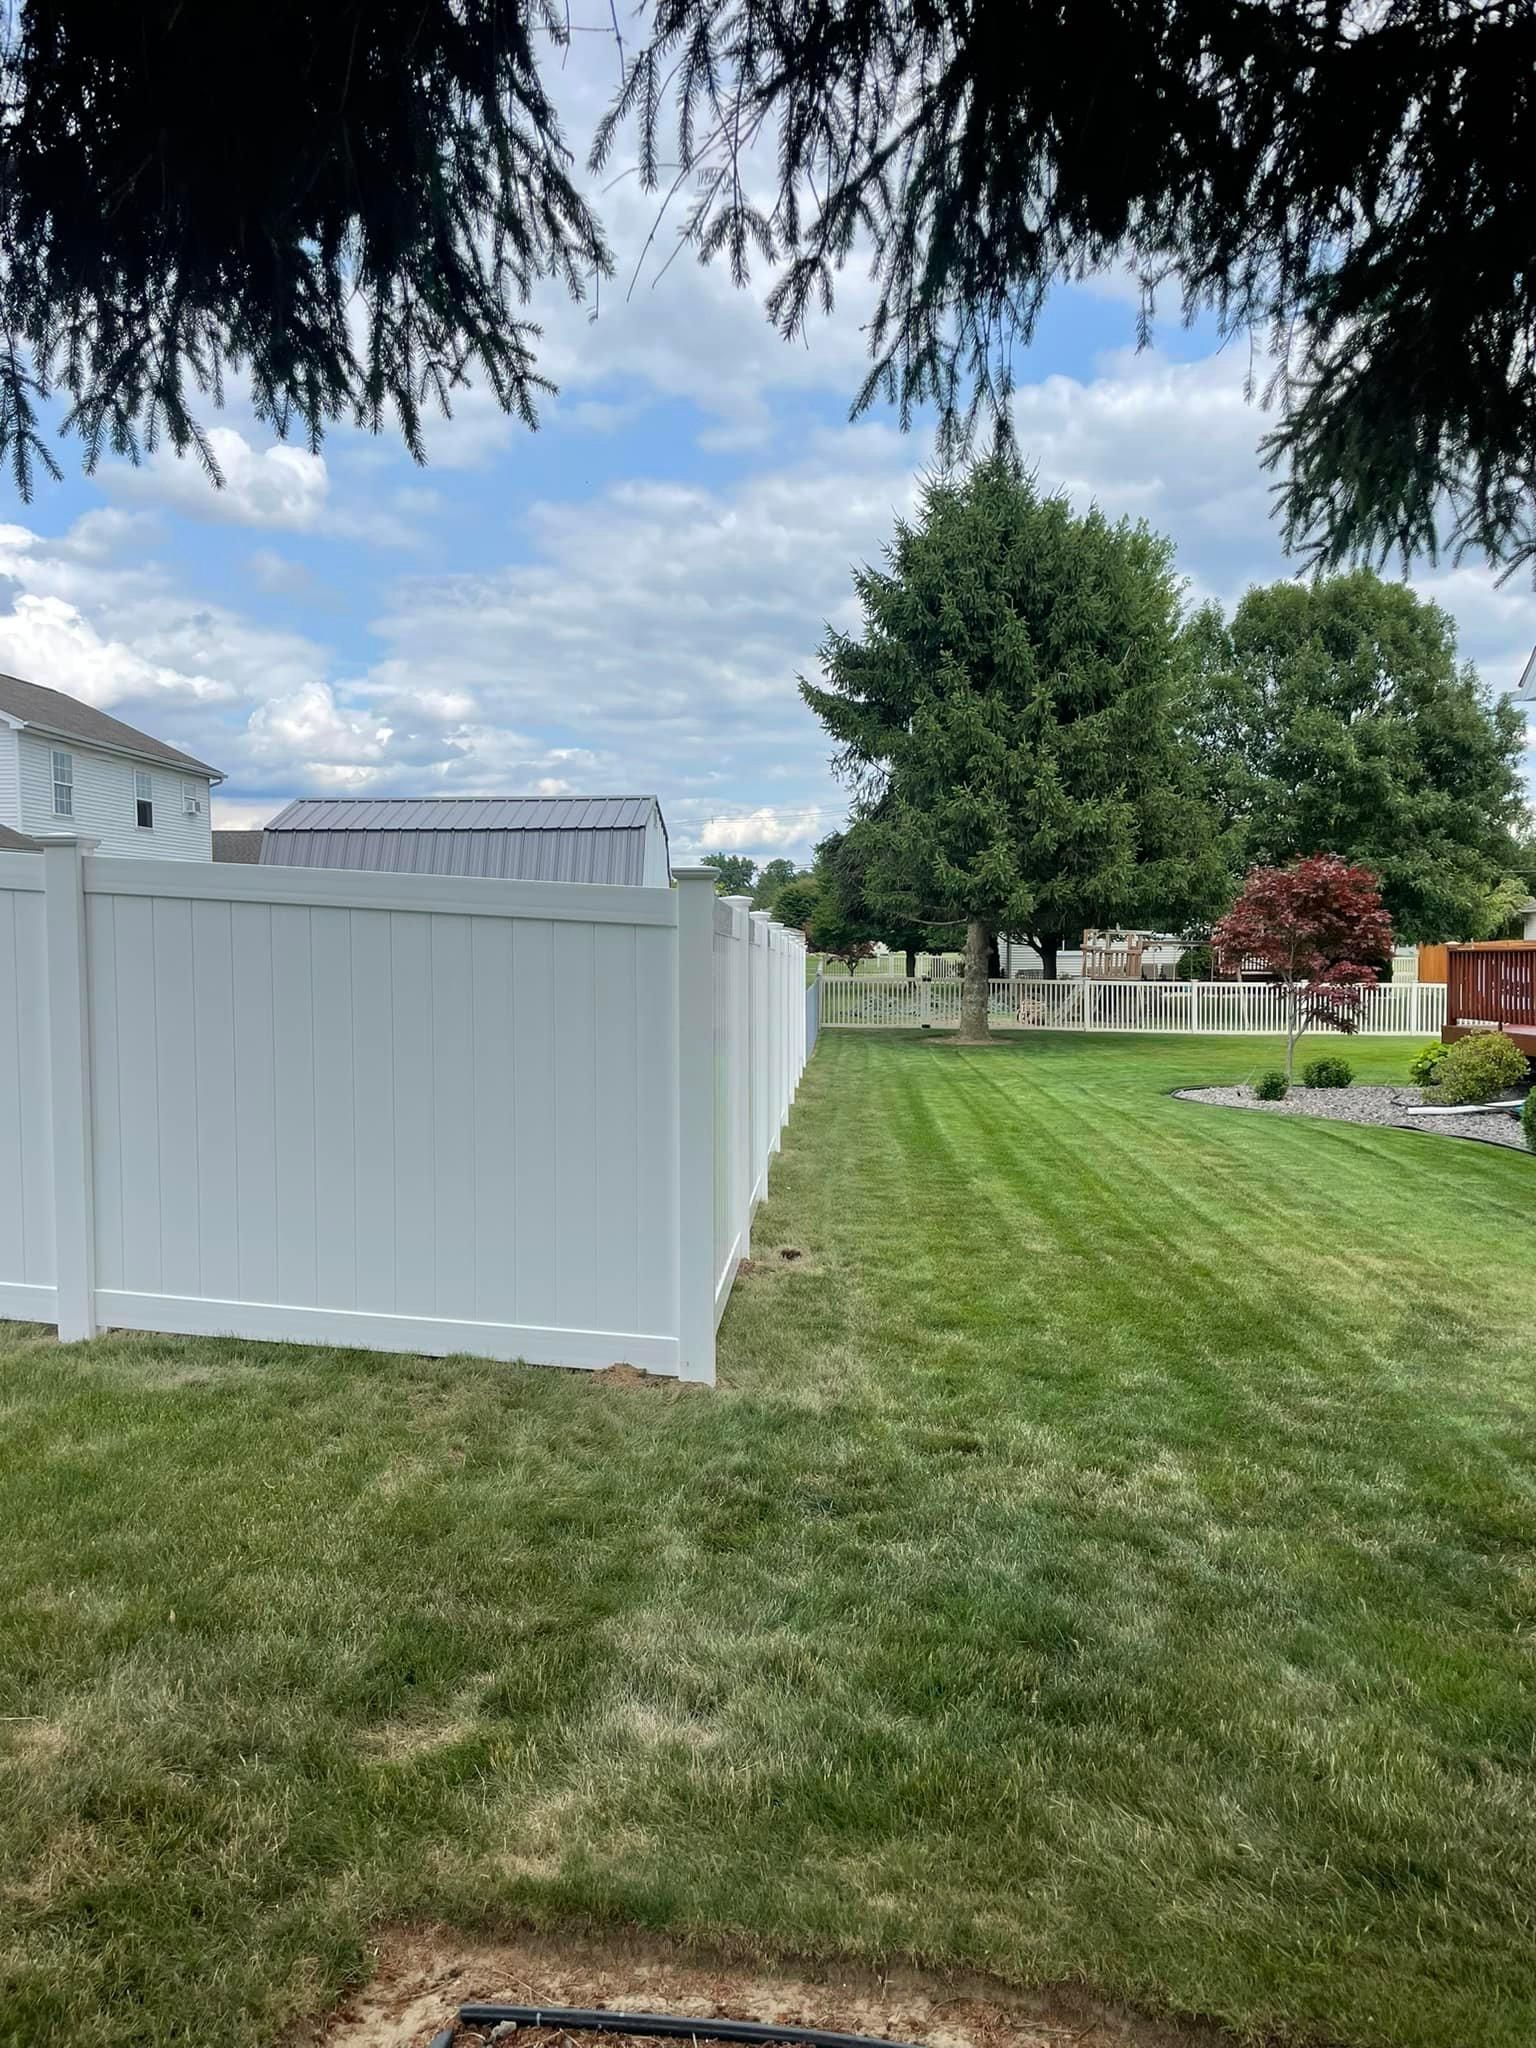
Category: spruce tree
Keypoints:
(1009, 718)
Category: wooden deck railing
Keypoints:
(1492, 985)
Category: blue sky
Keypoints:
(621, 601)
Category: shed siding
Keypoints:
(105, 799)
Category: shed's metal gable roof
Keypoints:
(466, 813)
(526, 839)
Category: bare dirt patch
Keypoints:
(622, 1374)
(424, 1976)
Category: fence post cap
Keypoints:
(695, 874)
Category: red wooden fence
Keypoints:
(1492, 985)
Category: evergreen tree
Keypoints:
(1008, 716)
(1334, 717)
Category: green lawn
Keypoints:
(1110, 1556)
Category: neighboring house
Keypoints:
(67, 767)
(515, 838)
(1527, 910)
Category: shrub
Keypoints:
(1478, 1068)
(1427, 1062)
(1328, 1072)
(1271, 1087)
(1528, 1120)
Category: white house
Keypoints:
(67, 767)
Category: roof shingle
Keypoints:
(53, 712)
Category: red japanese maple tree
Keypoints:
(1320, 929)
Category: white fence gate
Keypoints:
(1229, 1008)
(409, 1112)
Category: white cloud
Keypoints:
(279, 486)
(764, 830)
(230, 814)
(44, 638)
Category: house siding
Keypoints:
(10, 779)
(104, 804)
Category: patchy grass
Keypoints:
(1111, 1557)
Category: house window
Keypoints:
(143, 800)
(63, 784)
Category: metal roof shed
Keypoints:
(510, 838)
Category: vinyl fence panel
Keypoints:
(26, 1147)
(528, 1120)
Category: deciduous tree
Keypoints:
(735, 873)
(796, 902)
(1336, 714)
(1321, 930)
(1007, 715)
(771, 879)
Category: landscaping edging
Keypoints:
(1384, 1107)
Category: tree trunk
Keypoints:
(1048, 950)
(1292, 1032)
(973, 992)
(911, 963)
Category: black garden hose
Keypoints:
(668, 2026)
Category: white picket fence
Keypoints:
(1229, 1008)
(408, 1112)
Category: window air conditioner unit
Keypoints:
(192, 806)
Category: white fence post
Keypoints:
(741, 1069)
(696, 1122)
(69, 1045)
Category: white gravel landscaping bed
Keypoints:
(1388, 1106)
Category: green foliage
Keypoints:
(841, 875)
(1478, 1068)
(735, 874)
(1332, 717)
(1427, 1062)
(1329, 1071)
(1272, 1087)
(1353, 182)
(771, 879)
(796, 902)
(1528, 1120)
(1008, 718)
(347, 205)
(357, 226)
(1196, 963)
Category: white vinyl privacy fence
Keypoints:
(1226, 1007)
(410, 1112)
